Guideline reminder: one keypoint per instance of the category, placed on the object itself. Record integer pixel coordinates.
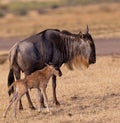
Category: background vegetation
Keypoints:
(23, 18)
(21, 7)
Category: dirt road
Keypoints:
(103, 46)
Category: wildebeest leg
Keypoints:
(60, 73)
(29, 99)
(17, 75)
(42, 102)
(54, 90)
(10, 103)
(20, 105)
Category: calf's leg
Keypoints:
(10, 103)
(43, 91)
(17, 75)
(16, 102)
(39, 99)
(28, 97)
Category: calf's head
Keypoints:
(54, 70)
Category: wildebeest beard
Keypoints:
(73, 50)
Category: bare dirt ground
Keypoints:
(86, 96)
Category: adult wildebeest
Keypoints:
(53, 46)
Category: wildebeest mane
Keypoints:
(73, 49)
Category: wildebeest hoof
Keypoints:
(20, 108)
(32, 108)
(42, 105)
(56, 103)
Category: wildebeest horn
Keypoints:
(87, 30)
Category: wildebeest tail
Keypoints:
(12, 56)
(11, 87)
(10, 81)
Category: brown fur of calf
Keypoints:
(39, 80)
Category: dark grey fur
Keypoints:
(53, 46)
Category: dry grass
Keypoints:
(86, 96)
(103, 20)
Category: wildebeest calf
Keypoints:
(39, 80)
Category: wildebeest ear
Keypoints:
(87, 30)
(81, 34)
